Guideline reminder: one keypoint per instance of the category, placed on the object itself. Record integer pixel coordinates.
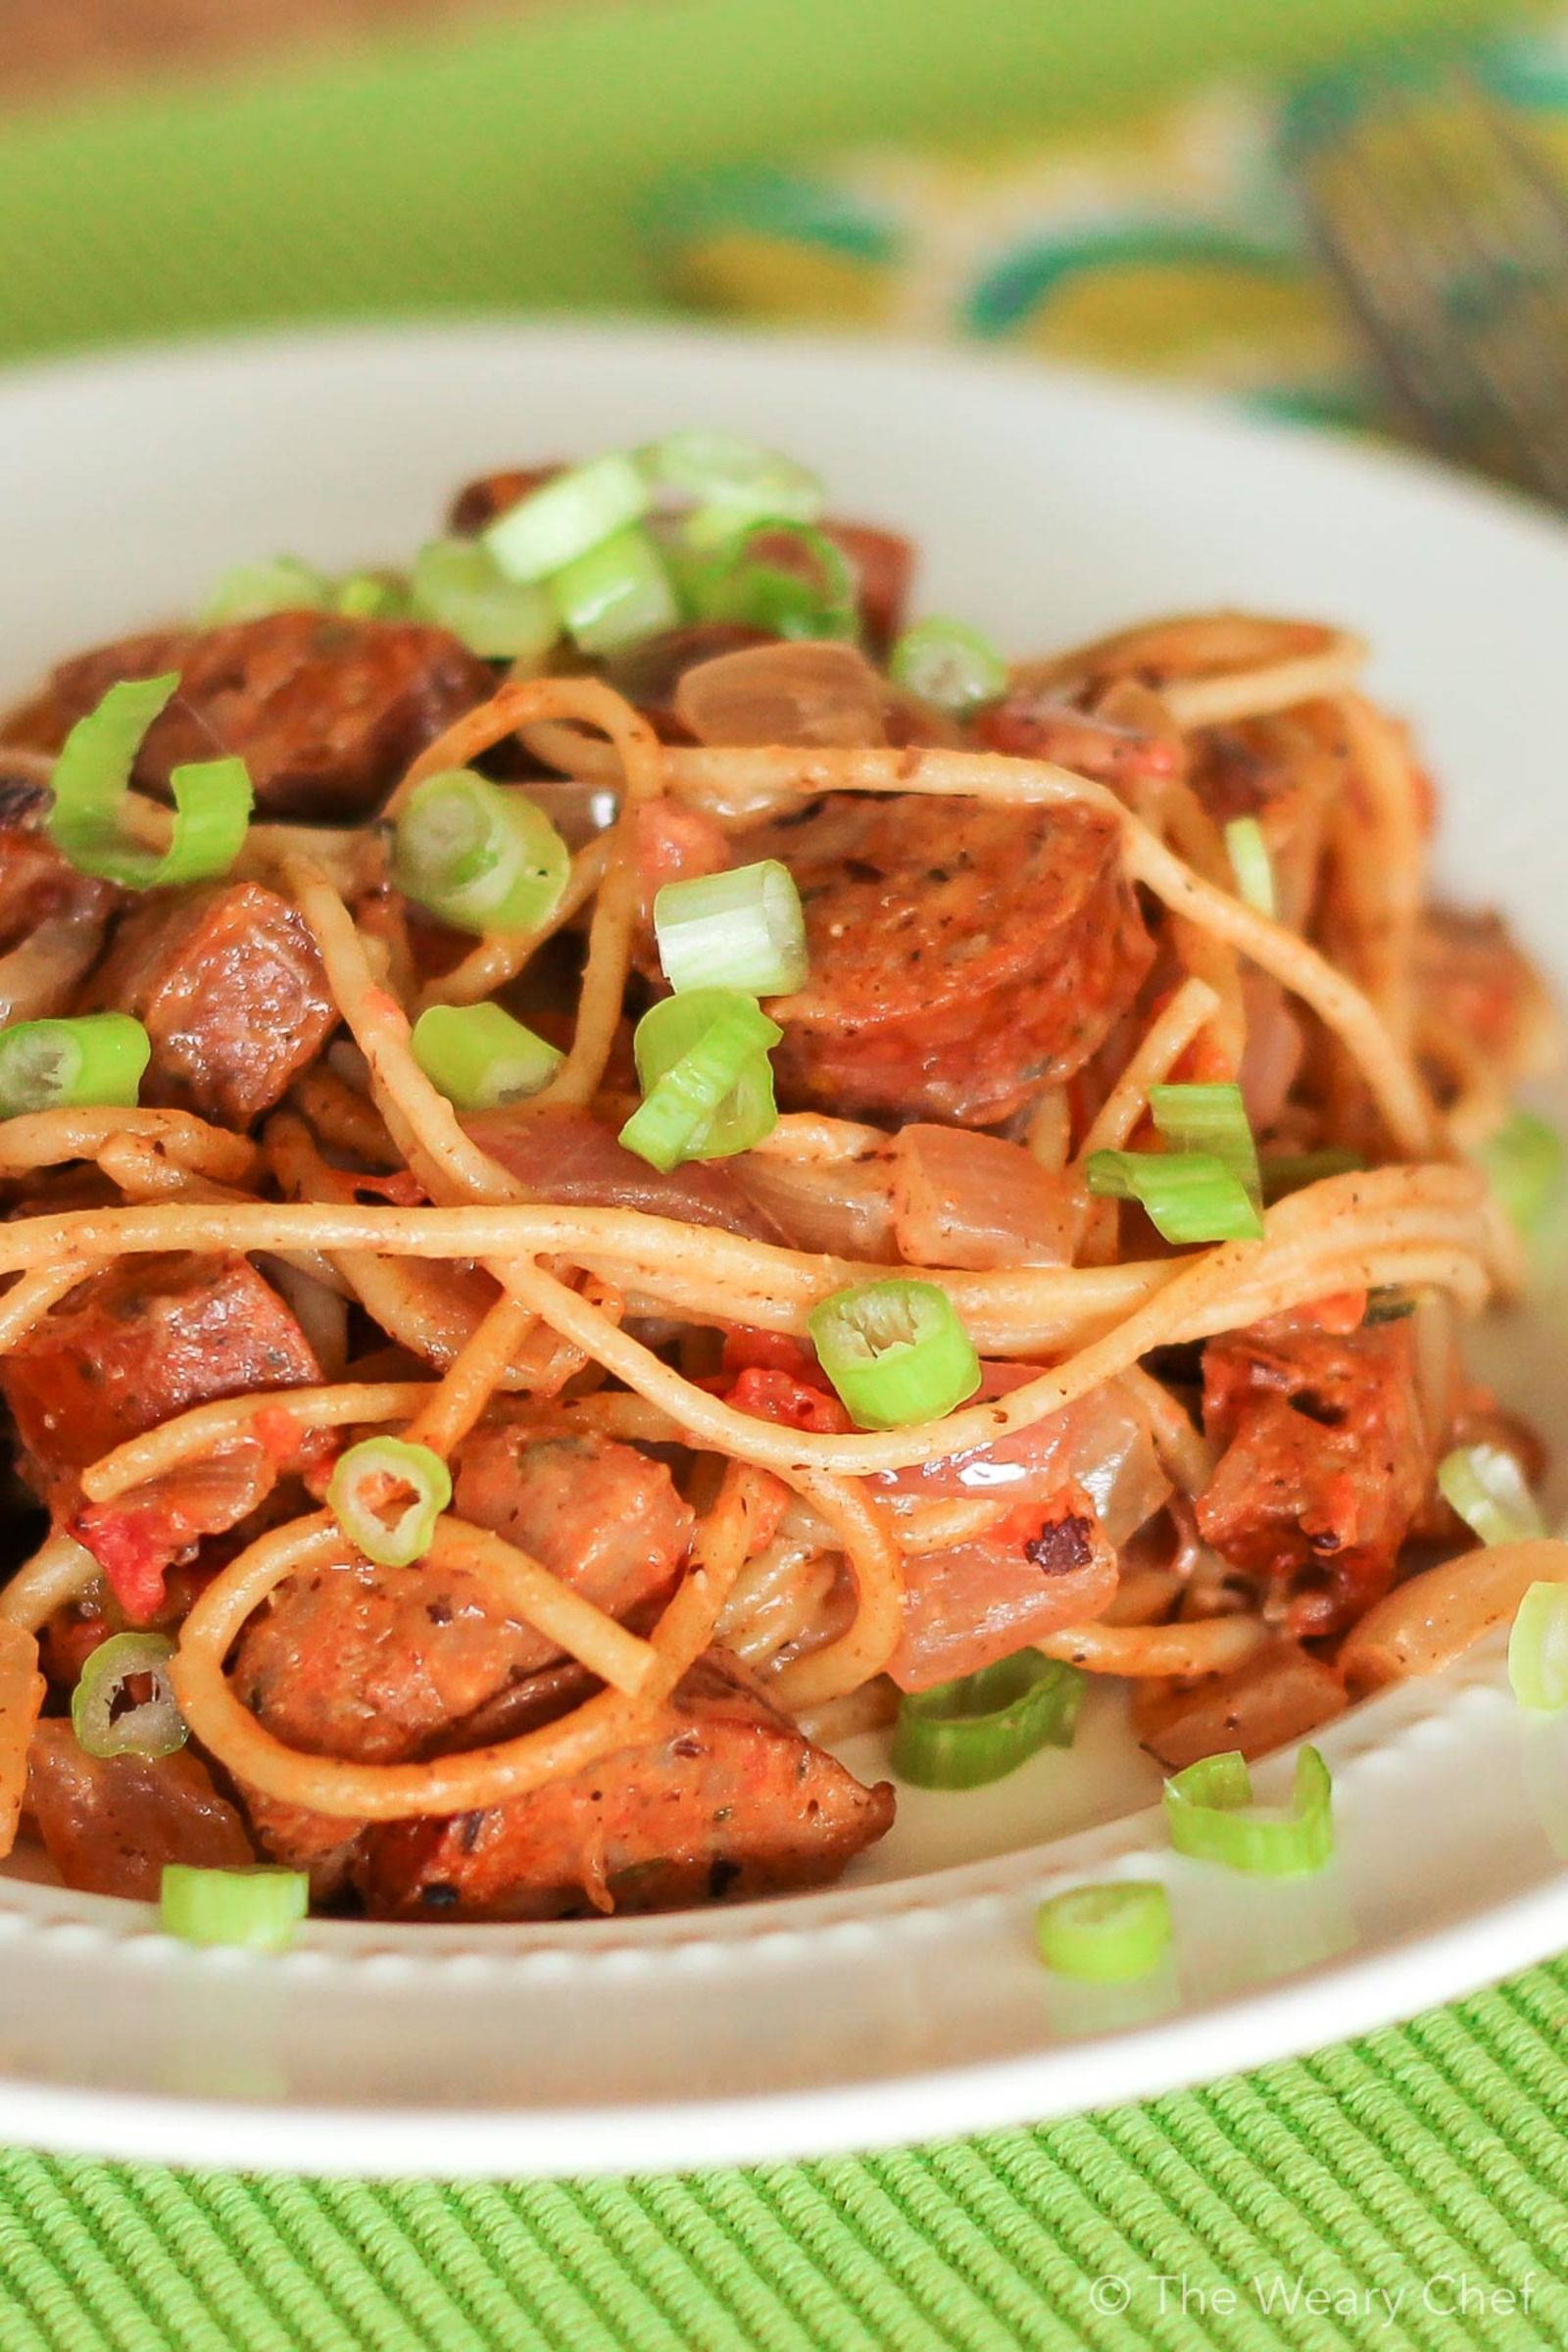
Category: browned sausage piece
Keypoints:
(601, 1515)
(376, 1664)
(110, 1823)
(1327, 1461)
(961, 954)
(228, 984)
(325, 712)
(723, 1798)
(139, 1343)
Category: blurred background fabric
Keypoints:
(276, 161)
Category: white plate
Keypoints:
(906, 2003)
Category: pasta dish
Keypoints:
(620, 1165)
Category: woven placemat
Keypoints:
(1406, 2190)
(1401, 2192)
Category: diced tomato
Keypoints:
(127, 1550)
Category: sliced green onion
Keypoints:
(107, 1720)
(746, 584)
(1212, 1119)
(1187, 1196)
(964, 1734)
(708, 1084)
(616, 595)
(896, 1352)
(1537, 1649)
(1486, 1487)
(256, 1909)
(1105, 1934)
(92, 776)
(1285, 1172)
(370, 596)
(567, 515)
(480, 1057)
(1251, 864)
(279, 584)
(741, 929)
(386, 1496)
(730, 481)
(1211, 1815)
(1524, 1161)
(457, 584)
(96, 1059)
(949, 665)
(482, 856)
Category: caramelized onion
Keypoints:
(1101, 1443)
(566, 1156)
(819, 696)
(972, 1201)
(840, 1205)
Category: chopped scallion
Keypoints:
(730, 482)
(782, 577)
(257, 1910)
(896, 1352)
(1486, 1487)
(708, 1085)
(1251, 864)
(1537, 1649)
(1285, 1172)
(480, 1057)
(480, 855)
(458, 585)
(370, 596)
(977, 1729)
(91, 779)
(741, 929)
(614, 595)
(108, 1719)
(95, 1058)
(279, 584)
(567, 516)
(386, 1496)
(1214, 1120)
(949, 665)
(1524, 1161)
(1211, 1815)
(1105, 1934)
(1187, 1196)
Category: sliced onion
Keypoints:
(841, 1206)
(1101, 1441)
(976, 1603)
(565, 1156)
(813, 693)
(1273, 1053)
(1279, 1694)
(972, 1201)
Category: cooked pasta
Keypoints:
(531, 1441)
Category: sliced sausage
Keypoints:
(962, 955)
(136, 1344)
(380, 1664)
(228, 983)
(327, 711)
(1327, 1461)
(110, 1823)
(723, 1798)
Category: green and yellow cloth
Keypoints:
(1166, 243)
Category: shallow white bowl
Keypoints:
(907, 2003)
